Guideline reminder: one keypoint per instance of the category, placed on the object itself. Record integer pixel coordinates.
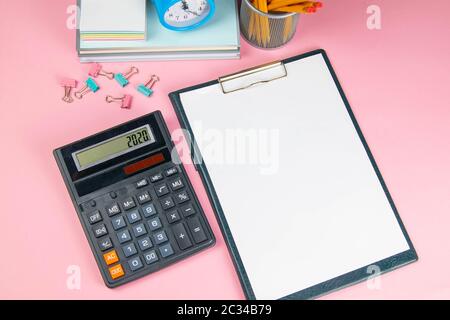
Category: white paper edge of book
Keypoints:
(318, 213)
(162, 56)
(114, 16)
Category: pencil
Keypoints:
(260, 27)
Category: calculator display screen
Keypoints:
(113, 147)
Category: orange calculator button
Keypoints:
(116, 271)
(110, 257)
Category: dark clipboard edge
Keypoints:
(345, 280)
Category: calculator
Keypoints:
(134, 199)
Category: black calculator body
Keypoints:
(134, 199)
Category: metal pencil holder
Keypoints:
(266, 30)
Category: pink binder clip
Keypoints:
(68, 85)
(96, 70)
(125, 101)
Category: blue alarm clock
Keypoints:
(180, 15)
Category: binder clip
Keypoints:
(246, 78)
(146, 89)
(122, 79)
(90, 86)
(125, 101)
(96, 70)
(68, 85)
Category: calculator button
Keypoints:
(166, 250)
(181, 197)
(188, 210)
(105, 244)
(129, 250)
(128, 203)
(143, 197)
(196, 230)
(113, 209)
(133, 216)
(154, 224)
(161, 190)
(156, 177)
(167, 203)
(141, 183)
(176, 184)
(151, 257)
(100, 230)
(139, 230)
(93, 203)
(182, 237)
(124, 236)
(173, 216)
(145, 243)
(135, 264)
(110, 257)
(149, 210)
(113, 195)
(170, 172)
(94, 217)
(160, 237)
(118, 223)
(116, 271)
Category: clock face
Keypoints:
(187, 13)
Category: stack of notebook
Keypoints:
(113, 20)
(218, 39)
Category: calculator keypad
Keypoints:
(150, 222)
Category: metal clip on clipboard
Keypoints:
(250, 77)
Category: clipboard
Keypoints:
(324, 218)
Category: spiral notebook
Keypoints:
(310, 213)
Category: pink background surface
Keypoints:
(396, 79)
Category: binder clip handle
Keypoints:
(147, 88)
(68, 85)
(125, 101)
(251, 77)
(90, 86)
(96, 70)
(122, 79)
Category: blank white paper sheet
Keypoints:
(310, 208)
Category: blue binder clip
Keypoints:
(146, 89)
(90, 86)
(122, 79)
